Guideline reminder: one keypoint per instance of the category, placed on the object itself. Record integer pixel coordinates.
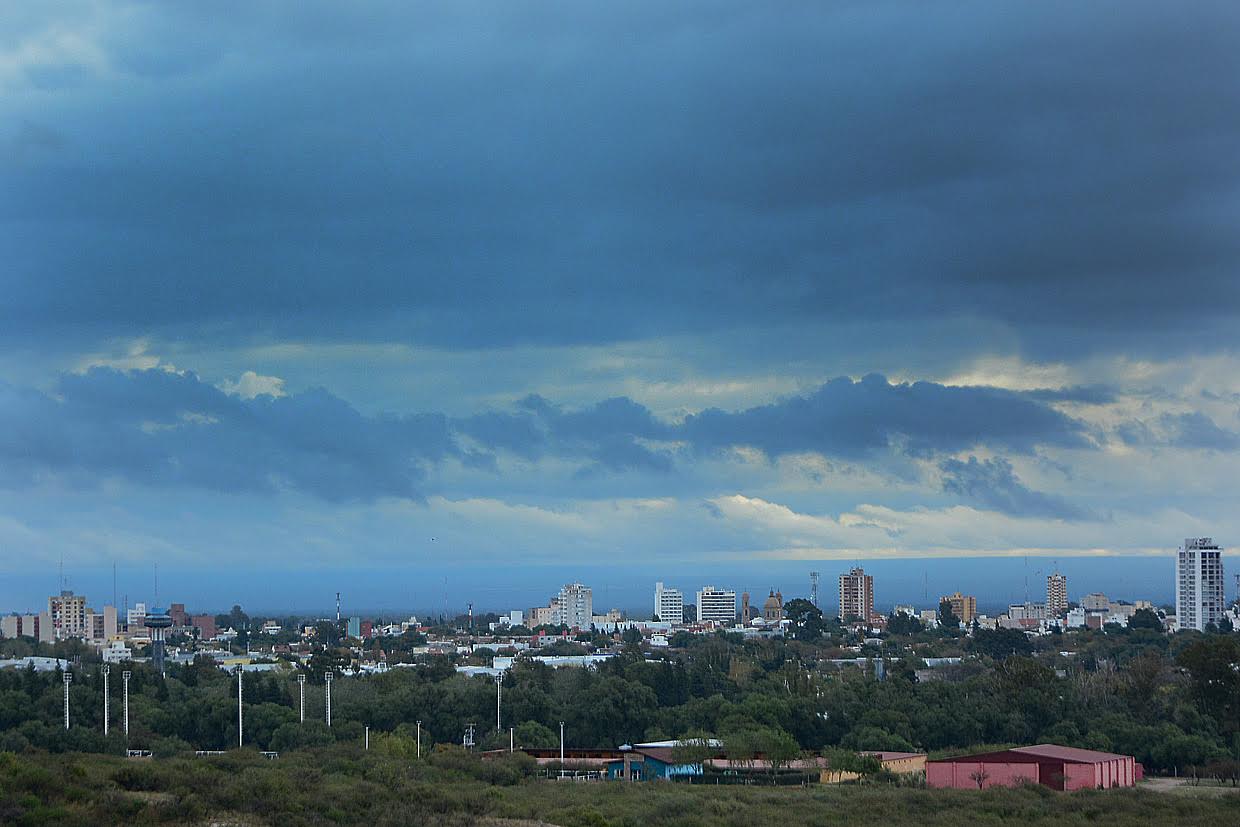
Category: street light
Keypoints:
(125, 676)
(106, 706)
(68, 680)
(327, 682)
(301, 686)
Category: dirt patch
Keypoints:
(1185, 786)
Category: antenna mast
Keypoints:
(813, 588)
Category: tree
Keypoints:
(693, 750)
(1000, 643)
(979, 776)
(899, 623)
(1145, 619)
(1212, 664)
(806, 619)
(779, 747)
(947, 618)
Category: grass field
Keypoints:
(368, 789)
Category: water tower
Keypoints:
(157, 620)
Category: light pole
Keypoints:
(240, 719)
(561, 747)
(106, 706)
(511, 739)
(327, 683)
(419, 739)
(125, 676)
(367, 737)
(68, 680)
(499, 689)
(301, 686)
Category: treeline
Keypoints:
(1174, 703)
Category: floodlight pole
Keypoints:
(106, 706)
(125, 676)
(499, 691)
(327, 683)
(301, 686)
(240, 720)
(68, 680)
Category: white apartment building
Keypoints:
(1199, 596)
(716, 605)
(856, 594)
(574, 607)
(669, 604)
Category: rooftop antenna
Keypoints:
(157, 584)
(471, 617)
(61, 575)
(337, 607)
(113, 582)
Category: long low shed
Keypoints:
(1060, 768)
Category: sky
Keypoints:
(492, 288)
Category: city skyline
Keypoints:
(534, 288)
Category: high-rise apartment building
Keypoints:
(669, 604)
(1199, 596)
(964, 606)
(574, 607)
(68, 611)
(856, 594)
(1056, 595)
(716, 605)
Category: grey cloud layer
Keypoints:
(993, 485)
(166, 429)
(160, 428)
(474, 176)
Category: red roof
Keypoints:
(1070, 754)
(1040, 753)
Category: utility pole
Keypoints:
(106, 669)
(125, 676)
(240, 721)
(327, 683)
(68, 680)
(301, 686)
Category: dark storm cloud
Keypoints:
(160, 428)
(163, 429)
(851, 419)
(608, 433)
(993, 485)
(478, 175)
(1192, 430)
